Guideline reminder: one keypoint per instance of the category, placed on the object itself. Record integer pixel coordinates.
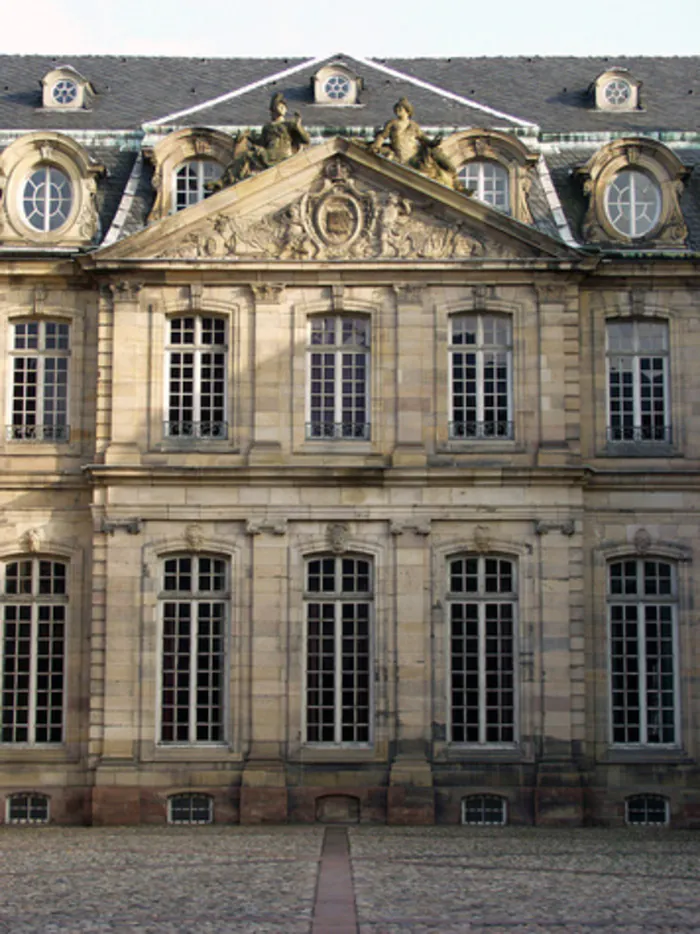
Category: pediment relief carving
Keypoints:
(339, 218)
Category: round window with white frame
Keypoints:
(191, 180)
(618, 92)
(337, 87)
(488, 182)
(47, 198)
(633, 203)
(64, 92)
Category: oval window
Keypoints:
(47, 198)
(633, 203)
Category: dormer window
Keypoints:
(336, 84)
(616, 89)
(64, 88)
(494, 168)
(633, 186)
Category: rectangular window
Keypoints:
(338, 378)
(480, 366)
(194, 603)
(197, 357)
(642, 608)
(338, 654)
(32, 662)
(638, 382)
(482, 612)
(40, 356)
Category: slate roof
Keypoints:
(547, 100)
(552, 92)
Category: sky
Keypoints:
(356, 27)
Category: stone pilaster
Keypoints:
(264, 785)
(410, 798)
(129, 374)
(413, 376)
(558, 789)
(271, 358)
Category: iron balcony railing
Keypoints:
(49, 433)
(347, 431)
(640, 434)
(196, 431)
(475, 431)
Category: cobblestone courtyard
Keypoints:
(212, 880)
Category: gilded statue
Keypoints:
(402, 140)
(279, 139)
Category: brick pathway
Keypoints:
(304, 880)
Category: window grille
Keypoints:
(647, 810)
(190, 809)
(484, 810)
(27, 809)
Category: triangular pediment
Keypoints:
(336, 202)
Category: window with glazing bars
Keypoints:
(191, 181)
(638, 381)
(482, 603)
(196, 385)
(488, 182)
(194, 605)
(35, 604)
(338, 378)
(480, 363)
(40, 357)
(642, 608)
(338, 650)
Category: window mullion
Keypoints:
(338, 661)
(197, 389)
(479, 356)
(482, 670)
(192, 699)
(637, 391)
(642, 662)
(33, 652)
(338, 391)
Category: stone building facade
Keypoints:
(363, 483)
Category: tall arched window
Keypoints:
(197, 361)
(32, 662)
(194, 603)
(338, 369)
(642, 606)
(338, 605)
(480, 371)
(482, 606)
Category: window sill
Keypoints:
(474, 753)
(183, 752)
(479, 446)
(337, 754)
(620, 755)
(648, 449)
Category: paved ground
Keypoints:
(211, 880)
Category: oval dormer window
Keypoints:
(47, 198)
(633, 203)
